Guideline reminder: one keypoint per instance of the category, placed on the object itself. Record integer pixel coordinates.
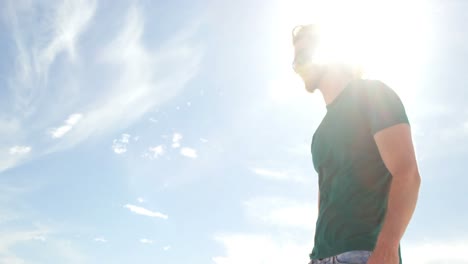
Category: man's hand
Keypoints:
(384, 255)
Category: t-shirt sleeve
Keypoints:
(384, 107)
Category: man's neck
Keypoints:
(332, 86)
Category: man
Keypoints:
(363, 154)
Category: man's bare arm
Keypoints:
(396, 149)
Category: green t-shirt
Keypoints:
(353, 180)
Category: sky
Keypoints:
(176, 131)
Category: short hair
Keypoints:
(312, 31)
(302, 31)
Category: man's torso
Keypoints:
(353, 180)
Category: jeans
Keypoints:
(350, 257)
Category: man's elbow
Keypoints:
(409, 177)
(415, 178)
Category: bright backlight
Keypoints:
(388, 39)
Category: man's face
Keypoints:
(305, 45)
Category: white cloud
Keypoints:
(166, 248)
(69, 123)
(204, 140)
(255, 249)
(189, 152)
(281, 212)
(119, 149)
(176, 140)
(20, 150)
(73, 119)
(144, 211)
(125, 138)
(154, 152)
(146, 241)
(100, 240)
(120, 145)
(141, 200)
(60, 131)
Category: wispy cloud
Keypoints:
(143, 211)
(11, 156)
(72, 19)
(120, 145)
(291, 175)
(189, 152)
(69, 123)
(37, 46)
(100, 240)
(141, 200)
(36, 52)
(143, 77)
(20, 150)
(146, 241)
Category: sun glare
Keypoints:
(388, 39)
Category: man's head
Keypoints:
(306, 41)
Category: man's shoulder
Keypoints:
(366, 85)
(366, 90)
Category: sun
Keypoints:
(388, 39)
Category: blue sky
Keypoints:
(157, 132)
